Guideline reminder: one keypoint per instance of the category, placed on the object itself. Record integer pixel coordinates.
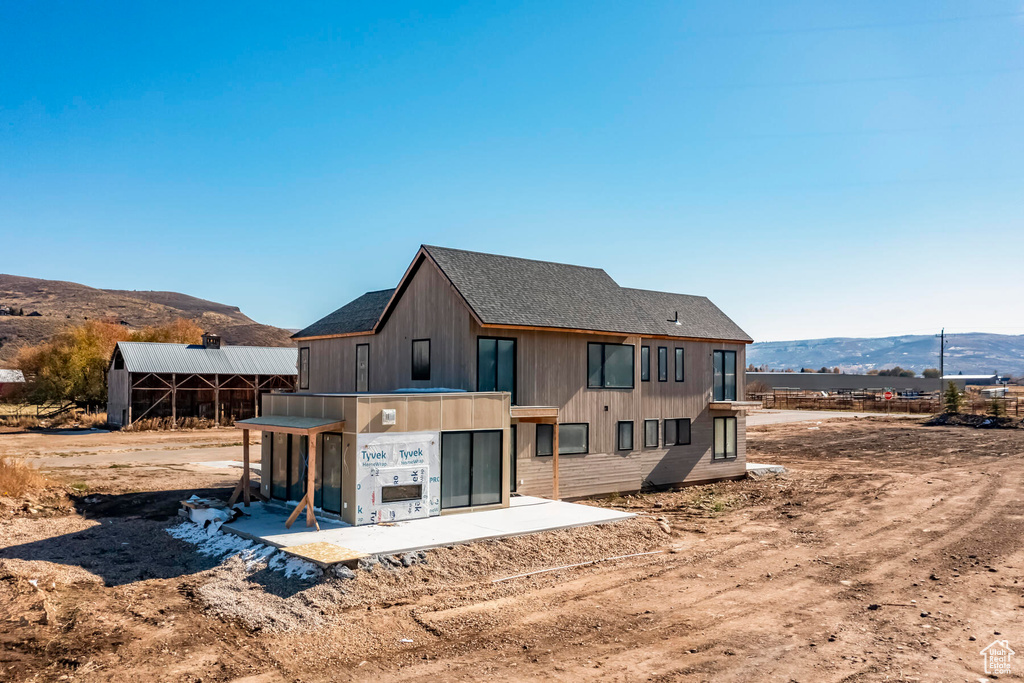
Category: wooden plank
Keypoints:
(246, 493)
(311, 482)
(295, 513)
(554, 464)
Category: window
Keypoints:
(662, 363)
(677, 432)
(725, 375)
(496, 365)
(645, 363)
(625, 435)
(420, 359)
(650, 433)
(470, 468)
(609, 366)
(398, 494)
(679, 365)
(725, 438)
(573, 439)
(362, 367)
(304, 367)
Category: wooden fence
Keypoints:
(873, 403)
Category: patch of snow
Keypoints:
(215, 543)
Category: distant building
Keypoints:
(148, 379)
(841, 384)
(977, 380)
(10, 380)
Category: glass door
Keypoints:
(496, 365)
(471, 472)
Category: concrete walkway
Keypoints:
(526, 515)
(771, 417)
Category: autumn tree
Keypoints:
(931, 373)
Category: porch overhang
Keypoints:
(734, 406)
(534, 413)
(289, 424)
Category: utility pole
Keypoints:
(942, 357)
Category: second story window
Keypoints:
(662, 363)
(645, 363)
(679, 365)
(362, 367)
(725, 375)
(420, 359)
(304, 367)
(609, 366)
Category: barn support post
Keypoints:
(174, 401)
(216, 399)
(256, 397)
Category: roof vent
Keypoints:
(211, 341)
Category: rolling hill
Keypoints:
(61, 304)
(971, 353)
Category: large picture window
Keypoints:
(304, 367)
(609, 366)
(677, 432)
(725, 375)
(645, 363)
(725, 438)
(420, 359)
(573, 439)
(662, 363)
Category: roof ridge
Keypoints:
(516, 258)
(659, 291)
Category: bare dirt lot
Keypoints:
(891, 551)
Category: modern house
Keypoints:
(611, 389)
(211, 381)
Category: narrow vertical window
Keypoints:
(650, 433)
(662, 363)
(724, 375)
(420, 359)
(645, 363)
(362, 367)
(625, 435)
(304, 367)
(679, 365)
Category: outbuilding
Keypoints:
(208, 381)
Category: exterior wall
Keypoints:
(118, 396)
(551, 370)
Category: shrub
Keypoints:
(951, 399)
(18, 478)
(995, 408)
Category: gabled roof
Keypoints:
(194, 359)
(358, 315)
(510, 291)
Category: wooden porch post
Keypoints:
(311, 482)
(554, 461)
(245, 467)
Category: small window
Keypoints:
(545, 440)
(679, 365)
(625, 435)
(662, 363)
(398, 494)
(677, 432)
(725, 438)
(609, 366)
(362, 367)
(420, 359)
(645, 363)
(304, 367)
(573, 439)
(650, 433)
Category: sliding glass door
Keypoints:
(725, 375)
(496, 365)
(470, 468)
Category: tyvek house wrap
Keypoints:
(397, 460)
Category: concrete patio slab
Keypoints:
(526, 515)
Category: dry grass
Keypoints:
(18, 478)
(156, 424)
(19, 421)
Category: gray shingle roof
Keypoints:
(504, 290)
(358, 315)
(227, 360)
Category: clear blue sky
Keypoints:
(815, 168)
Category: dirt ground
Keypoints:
(890, 551)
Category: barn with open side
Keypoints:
(153, 380)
